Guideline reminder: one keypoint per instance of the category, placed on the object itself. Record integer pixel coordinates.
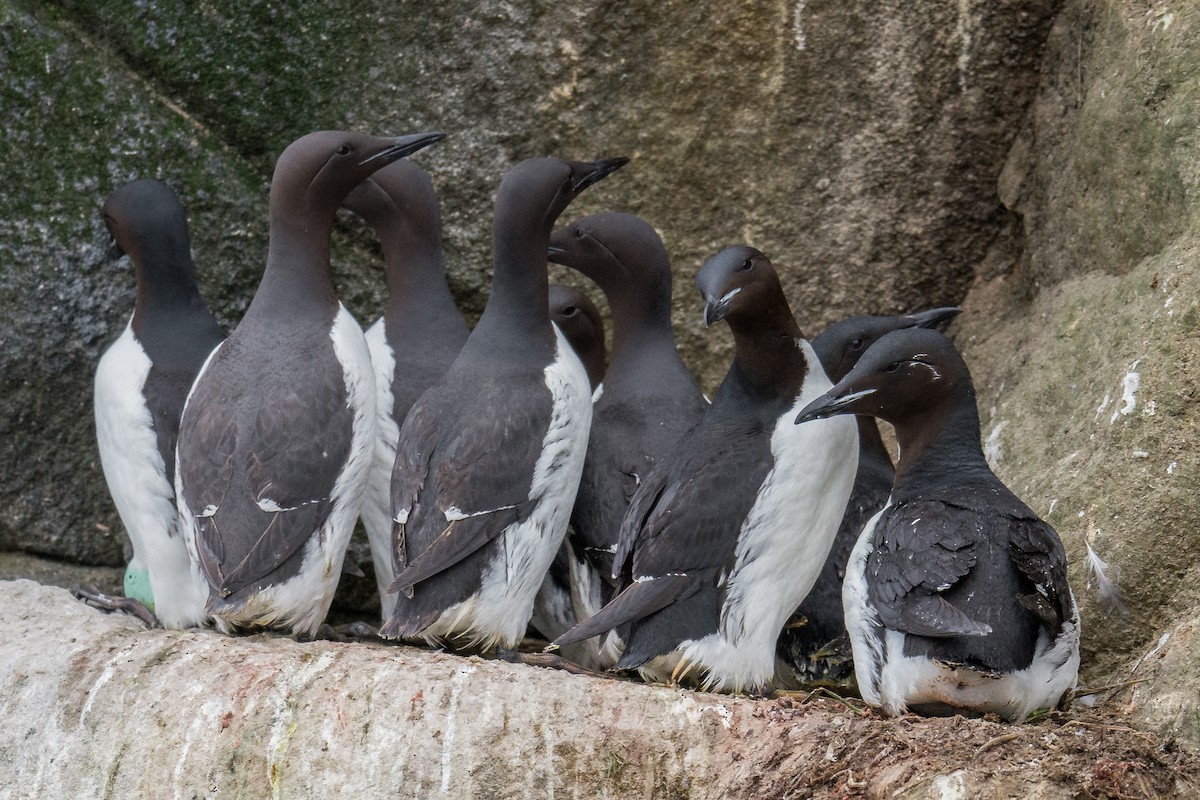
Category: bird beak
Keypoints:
(404, 146)
(933, 317)
(715, 309)
(831, 404)
(601, 169)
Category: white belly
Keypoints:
(499, 613)
(136, 476)
(892, 681)
(377, 499)
(783, 542)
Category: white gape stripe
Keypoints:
(500, 611)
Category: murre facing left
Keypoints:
(489, 459)
(141, 384)
(647, 402)
(727, 534)
(277, 434)
(416, 340)
(956, 594)
(814, 645)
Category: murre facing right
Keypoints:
(416, 340)
(488, 460)
(956, 594)
(277, 433)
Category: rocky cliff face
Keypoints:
(1032, 160)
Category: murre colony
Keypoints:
(522, 482)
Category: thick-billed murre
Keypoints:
(728, 533)
(956, 594)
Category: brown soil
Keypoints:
(1080, 753)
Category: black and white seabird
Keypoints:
(577, 317)
(814, 644)
(278, 431)
(728, 533)
(489, 459)
(648, 399)
(417, 338)
(956, 594)
(141, 384)
(579, 320)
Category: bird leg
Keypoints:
(682, 668)
(94, 597)
(350, 632)
(548, 661)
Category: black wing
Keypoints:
(262, 483)
(687, 514)
(459, 482)
(1038, 553)
(680, 533)
(922, 549)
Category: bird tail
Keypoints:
(640, 599)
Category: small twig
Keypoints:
(1117, 728)
(832, 695)
(1119, 685)
(995, 740)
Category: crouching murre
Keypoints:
(728, 533)
(956, 594)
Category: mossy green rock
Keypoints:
(856, 143)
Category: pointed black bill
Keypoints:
(830, 404)
(602, 168)
(405, 146)
(934, 316)
(715, 308)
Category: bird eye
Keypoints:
(747, 264)
(344, 150)
(892, 367)
(570, 311)
(856, 344)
